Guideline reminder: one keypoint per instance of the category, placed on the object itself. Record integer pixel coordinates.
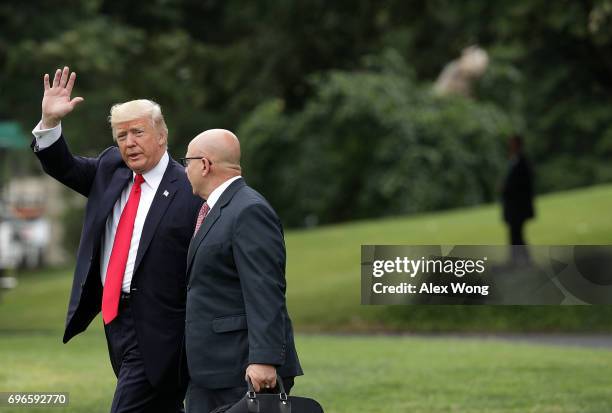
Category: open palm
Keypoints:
(56, 101)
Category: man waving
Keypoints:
(130, 264)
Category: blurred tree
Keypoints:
(292, 65)
(373, 143)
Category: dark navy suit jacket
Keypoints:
(158, 286)
(236, 310)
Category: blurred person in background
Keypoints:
(132, 254)
(517, 198)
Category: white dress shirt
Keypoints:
(152, 179)
(218, 191)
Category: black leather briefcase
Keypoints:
(271, 403)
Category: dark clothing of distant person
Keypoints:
(517, 197)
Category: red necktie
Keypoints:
(201, 215)
(119, 254)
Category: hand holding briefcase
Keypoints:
(271, 403)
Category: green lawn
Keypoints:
(363, 373)
(346, 374)
(324, 266)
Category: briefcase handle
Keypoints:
(252, 395)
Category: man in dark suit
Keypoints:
(237, 322)
(517, 198)
(130, 265)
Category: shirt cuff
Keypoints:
(46, 137)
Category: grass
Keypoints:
(323, 266)
(366, 374)
(360, 373)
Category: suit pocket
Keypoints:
(207, 247)
(229, 323)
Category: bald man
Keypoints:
(237, 322)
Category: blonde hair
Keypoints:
(136, 109)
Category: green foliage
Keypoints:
(373, 143)
(310, 80)
(559, 53)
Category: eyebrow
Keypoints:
(133, 128)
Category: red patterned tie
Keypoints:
(119, 254)
(201, 215)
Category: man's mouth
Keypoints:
(133, 156)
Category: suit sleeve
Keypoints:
(75, 172)
(259, 254)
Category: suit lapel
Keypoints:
(161, 201)
(211, 218)
(121, 177)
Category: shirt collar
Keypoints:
(218, 191)
(154, 176)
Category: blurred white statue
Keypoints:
(459, 75)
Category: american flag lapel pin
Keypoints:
(166, 193)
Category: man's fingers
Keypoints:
(264, 383)
(70, 83)
(76, 101)
(64, 78)
(263, 377)
(254, 381)
(56, 78)
(46, 81)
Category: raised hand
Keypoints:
(56, 101)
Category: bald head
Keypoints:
(220, 149)
(220, 145)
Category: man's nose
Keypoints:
(130, 139)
